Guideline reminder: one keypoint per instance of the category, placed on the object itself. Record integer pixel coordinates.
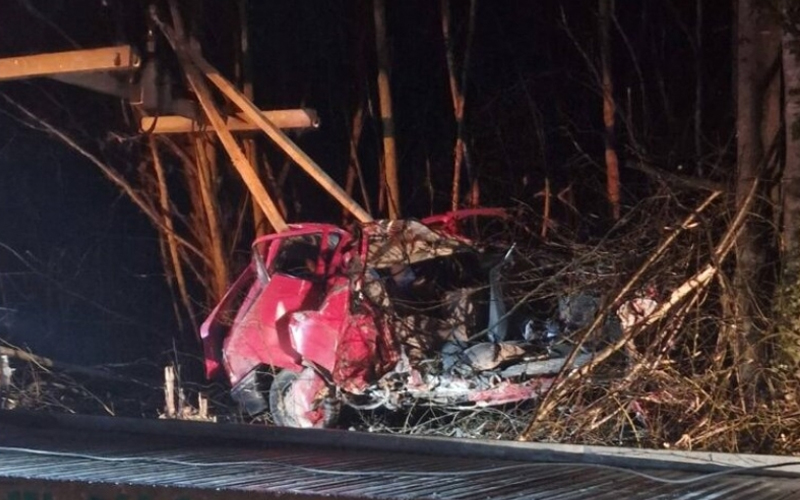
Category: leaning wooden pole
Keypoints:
(257, 117)
(387, 119)
(238, 158)
(281, 139)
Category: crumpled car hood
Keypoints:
(402, 242)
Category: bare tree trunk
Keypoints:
(788, 297)
(757, 121)
(196, 223)
(206, 161)
(244, 70)
(698, 87)
(458, 93)
(387, 119)
(606, 8)
(168, 235)
(354, 171)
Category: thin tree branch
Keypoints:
(109, 172)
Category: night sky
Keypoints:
(80, 276)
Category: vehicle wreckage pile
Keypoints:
(444, 312)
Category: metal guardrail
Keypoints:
(55, 457)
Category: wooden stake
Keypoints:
(169, 392)
(202, 407)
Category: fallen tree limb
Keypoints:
(115, 177)
(48, 363)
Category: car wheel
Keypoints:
(293, 399)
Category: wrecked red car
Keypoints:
(393, 314)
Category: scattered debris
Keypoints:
(175, 404)
(32, 382)
(6, 372)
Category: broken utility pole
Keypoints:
(198, 65)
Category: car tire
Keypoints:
(280, 388)
(288, 414)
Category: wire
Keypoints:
(458, 473)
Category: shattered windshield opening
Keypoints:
(298, 256)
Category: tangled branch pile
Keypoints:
(673, 379)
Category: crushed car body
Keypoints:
(391, 314)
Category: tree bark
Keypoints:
(206, 161)
(606, 8)
(458, 94)
(354, 171)
(698, 88)
(757, 122)
(245, 76)
(385, 97)
(788, 297)
(174, 261)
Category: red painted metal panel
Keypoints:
(261, 334)
(262, 305)
(448, 222)
(356, 354)
(315, 334)
(214, 329)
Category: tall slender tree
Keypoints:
(758, 116)
(606, 8)
(391, 176)
(788, 298)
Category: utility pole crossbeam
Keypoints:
(118, 58)
(284, 119)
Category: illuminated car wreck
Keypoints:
(394, 314)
